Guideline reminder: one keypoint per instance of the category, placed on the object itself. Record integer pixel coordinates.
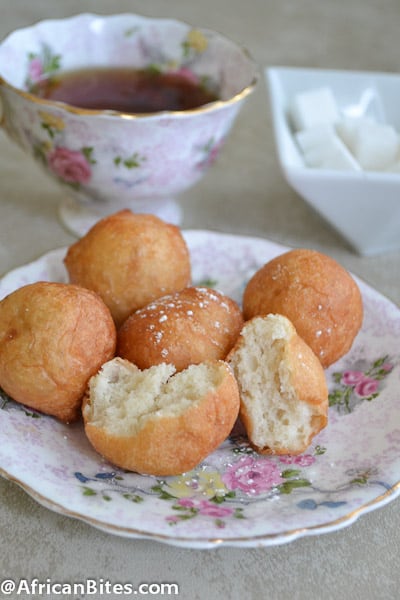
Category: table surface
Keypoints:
(244, 192)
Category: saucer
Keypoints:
(235, 497)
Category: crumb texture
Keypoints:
(158, 421)
(125, 397)
(281, 415)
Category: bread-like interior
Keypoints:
(157, 421)
(282, 386)
(122, 397)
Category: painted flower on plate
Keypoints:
(352, 377)
(252, 475)
(303, 460)
(205, 507)
(196, 483)
(366, 387)
(355, 385)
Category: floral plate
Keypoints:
(235, 497)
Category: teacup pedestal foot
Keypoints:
(78, 218)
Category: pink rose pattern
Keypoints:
(304, 460)
(70, 165)
(247, 478)
(252, 475)
(200, 507)
(358, 385)
(44, 63)
(35, 70)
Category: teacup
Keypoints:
(106, 159)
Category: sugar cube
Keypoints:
(314, 136)
(332, 155)
(376, 146)
(322, 148)
(314, 107)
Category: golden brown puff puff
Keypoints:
(315, 293)
(188, 327)
(130, 259)
(53, 338)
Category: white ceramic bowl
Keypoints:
(364, 206)
(107, 160)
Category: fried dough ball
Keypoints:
(53, 338)
(158, 422)
(315, 293)
(130, 259)
(282, 385)
(188, 327)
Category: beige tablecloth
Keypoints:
(243, 193)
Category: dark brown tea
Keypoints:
(125, 90)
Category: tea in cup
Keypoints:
(123, 111)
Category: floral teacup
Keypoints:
(105, 159)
